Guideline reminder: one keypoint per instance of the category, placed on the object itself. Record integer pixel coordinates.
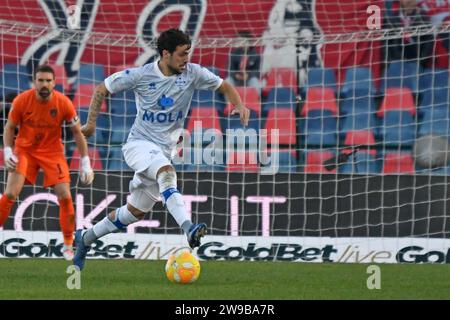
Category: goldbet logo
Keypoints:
(327, 253)
(276, 252)
(417, 254)
(19, 247)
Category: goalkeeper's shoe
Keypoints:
(196, 231)
(68, 252)
(81, 250)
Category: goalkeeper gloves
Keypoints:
(10, 159)
(86, 172)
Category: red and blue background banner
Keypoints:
(201, 18)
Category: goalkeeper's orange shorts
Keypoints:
(54, 166)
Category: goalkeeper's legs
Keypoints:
(13, 187)
(171, 197)
(66, 218)
(6, 203)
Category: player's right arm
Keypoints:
(8, 141)
(14, 119)
(117, 82)
(96, 103)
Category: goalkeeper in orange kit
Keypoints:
(39, 114)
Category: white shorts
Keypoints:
(145, 158)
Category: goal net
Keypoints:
(344, 158)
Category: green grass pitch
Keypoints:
(136, 279)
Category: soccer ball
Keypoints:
(431, 151)
(182, 267)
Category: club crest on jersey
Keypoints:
(38, 137)
(165, 102)
(180, 83)
(53, 112)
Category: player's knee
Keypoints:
(65, 197)
(122, 217)
(135, 211)
(112, 215)
(12, 191)
(167, 179)
(62, 191)
(164, 169)
(12, 196)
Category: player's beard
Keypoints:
(173, 70)
(44, 93)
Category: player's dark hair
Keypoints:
(170, 39)
(43, 68)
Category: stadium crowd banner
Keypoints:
(293, 217)
(300, 19)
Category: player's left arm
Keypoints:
(232, 96)
(86, 172)
(73, 122)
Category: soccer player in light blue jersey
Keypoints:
(163, 92)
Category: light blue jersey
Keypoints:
(162, 102)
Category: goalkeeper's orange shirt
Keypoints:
(40, 122)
